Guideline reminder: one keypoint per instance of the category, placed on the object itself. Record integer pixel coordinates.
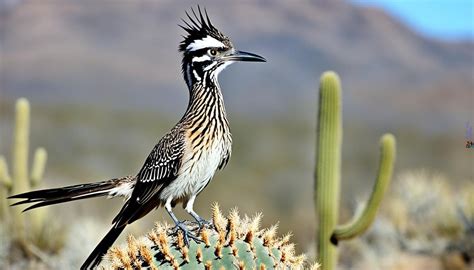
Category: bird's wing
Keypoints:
(160, 168)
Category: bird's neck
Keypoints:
(206, 100)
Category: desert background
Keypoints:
(104, 82)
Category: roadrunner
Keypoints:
(184, 161)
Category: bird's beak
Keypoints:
(244, 56)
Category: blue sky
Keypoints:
(445, 19)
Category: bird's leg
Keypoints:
(180, 226)
(189, 209)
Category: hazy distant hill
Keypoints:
(124, 53)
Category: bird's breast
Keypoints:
(201, 159)
(204, 158)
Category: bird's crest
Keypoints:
(201, 33)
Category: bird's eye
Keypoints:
(212, 52)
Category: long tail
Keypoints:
(101, 249)
(112, 188)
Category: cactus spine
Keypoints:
(21, 180)
(328, 176)
(229, 243)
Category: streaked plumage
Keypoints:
(184, 161)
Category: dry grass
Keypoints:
(425, 223)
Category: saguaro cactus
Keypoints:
(21, 181)
(229, 243)
(328, 174)
(5, 186)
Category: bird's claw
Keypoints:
(180, 226)
(203, 223)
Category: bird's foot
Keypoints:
(180, 226)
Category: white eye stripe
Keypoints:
(196, 75)
(206, 42)
(201, 58)
(210, 66)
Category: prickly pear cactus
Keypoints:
(228, 243)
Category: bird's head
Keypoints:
(206, 50)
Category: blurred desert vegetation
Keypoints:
(104, 81)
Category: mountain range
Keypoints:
(124, 54)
